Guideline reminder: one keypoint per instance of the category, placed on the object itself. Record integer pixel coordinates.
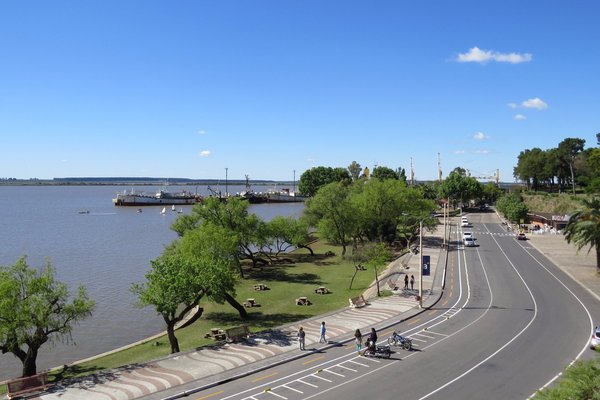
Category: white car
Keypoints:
(595, 340)
(469, 242)
(467, 235)
(464, 223)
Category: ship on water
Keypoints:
(160, 198)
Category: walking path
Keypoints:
(174, 376)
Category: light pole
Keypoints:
(421, 264)
(294, 182)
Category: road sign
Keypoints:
(426, 262)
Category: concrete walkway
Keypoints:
(173, 376)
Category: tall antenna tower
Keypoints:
(439, 169)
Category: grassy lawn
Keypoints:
(298, 275)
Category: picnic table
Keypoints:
(321, 290)
(251, 303)
(303, 301)
(215, 333)
(260, 286)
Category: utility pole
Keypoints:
(439, 168)
(421, 264)
(294, 181)
(412, 173)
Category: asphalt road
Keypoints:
(507, 324)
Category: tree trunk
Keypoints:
(572, 177)
(353, 275)
(29, 362)
(312, 253)
(234, 303)
(171, 335)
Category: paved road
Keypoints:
(507, 323)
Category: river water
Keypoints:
(106, 250)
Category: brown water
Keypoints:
(106, 251)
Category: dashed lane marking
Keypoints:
(264, 377)
(208, 396)
(313, 360)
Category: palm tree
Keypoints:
(583, 228)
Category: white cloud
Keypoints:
(205, 153)
(480, 136)
(520, 117)
(459, 152)
(475, 54)
(512, 105)
(536, 103)
(481, 151)
(201, 132)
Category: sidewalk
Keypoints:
(172, 376)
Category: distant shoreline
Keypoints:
(135, 182)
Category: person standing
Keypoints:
(359, 340)
(412, 282)
(301, 338)
(322, 338)
(405, 281)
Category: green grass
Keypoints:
(299, 275)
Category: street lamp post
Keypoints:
(421, 264)
(226, 193)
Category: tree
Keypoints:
(181, 277)
(583, 228)
(35, 308)
(331, 210)
(383, 173)
(354, 169)
(315, 178)
(568, 150)
(512, 207)
(580, 381)
(459, 187)
(284, 233)
(377, 255)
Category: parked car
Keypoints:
(521, 236)
(469, 242)
(595, 340)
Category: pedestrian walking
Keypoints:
(405, 281)
(301, 338)
(322, 338)
(359, 340)
(412, 282)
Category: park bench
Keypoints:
(236, 333)
(392, 285)
(303, 301)
(321, 290)
(357, 302)
(29, 384)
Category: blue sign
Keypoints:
(426, 262)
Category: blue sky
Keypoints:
(268, 87)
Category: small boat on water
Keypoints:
(160, 198)
(164, 211)
(173, 208)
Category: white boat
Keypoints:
(173, 207)
(164, 211)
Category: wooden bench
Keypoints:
(392, 285)
(303, 301)
(29, 384)
(321, 290)
(357, 302)
(236, 333)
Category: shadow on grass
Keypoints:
(262, 321)
(279, 273)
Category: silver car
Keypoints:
(469, 242)
(595, 340)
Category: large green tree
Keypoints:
(315, 178)
(583, 228)
(354, 169)
(182, 276)
(460, 188)
(383, 173)
(568, 151)
(36, 308)
(333, 213)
